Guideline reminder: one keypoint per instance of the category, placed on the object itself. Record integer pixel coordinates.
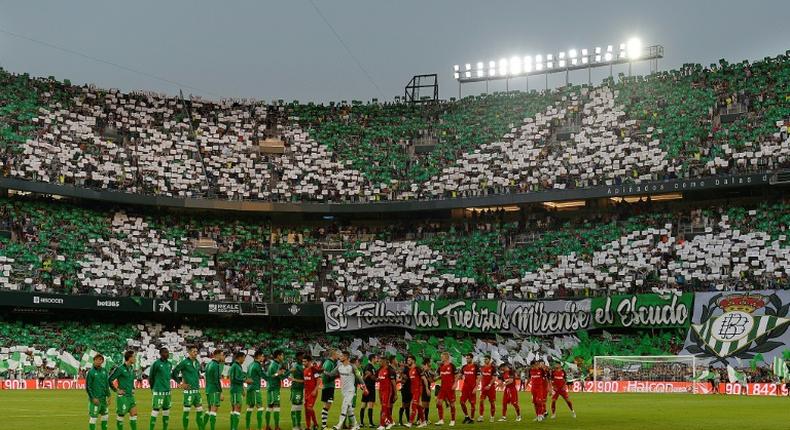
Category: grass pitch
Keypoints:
(68, 409)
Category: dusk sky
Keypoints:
(285, 50)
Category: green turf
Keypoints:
(57, 410)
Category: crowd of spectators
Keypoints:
(687, 123)
(64, 348)
(50, 246)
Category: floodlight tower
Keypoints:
(564, 61)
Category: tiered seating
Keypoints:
(228, 134)
(309, 172)
(391, 270)
(689, 123)
(68, 346)
(722, 257)
(138, 260)
(639, 254)
(64, 248)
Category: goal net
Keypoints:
(646, 374)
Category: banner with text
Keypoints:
(642, 310)
(480, 316)
(538, 318)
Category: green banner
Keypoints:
(642, 310)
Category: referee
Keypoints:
(369, 399)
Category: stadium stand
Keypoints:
(57, 247)
(689, 123)
(42, 346)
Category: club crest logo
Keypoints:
(737, 326)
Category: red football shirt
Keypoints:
(558, 379)
(537, 378)
(385, 386)
(415, 379)
(470, 372)
(310, 379)
(507, 374)
(447, 375)
(488, 373)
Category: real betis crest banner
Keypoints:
(642, 310)
(728, 328)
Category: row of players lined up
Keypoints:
(309, 378)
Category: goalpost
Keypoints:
(647, 374)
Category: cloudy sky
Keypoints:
(355, 49)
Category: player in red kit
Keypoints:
(415, 381)
(386, 379)
(469, 372)
(510, 396)
(487, 387)
(311, 379)
(446, 397)
(538, 380)
(559, 383)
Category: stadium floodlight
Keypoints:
(560, 61)
(515, 66)
(503, 67)
(634, 48)
(527, 64)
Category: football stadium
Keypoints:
(393, 215)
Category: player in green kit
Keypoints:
(328, 382)
(254, 400)
(159, 381)
(297, 392)
(237, 377)
(98, 386)
(214, 387)
(274, 376)
(125, 402)
(187, 375)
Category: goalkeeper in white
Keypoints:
(349, 381)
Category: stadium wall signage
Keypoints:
(158, 306)
(545, 317)
(642, 311)
(665, 186)
(753, 389)
(730, 327)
